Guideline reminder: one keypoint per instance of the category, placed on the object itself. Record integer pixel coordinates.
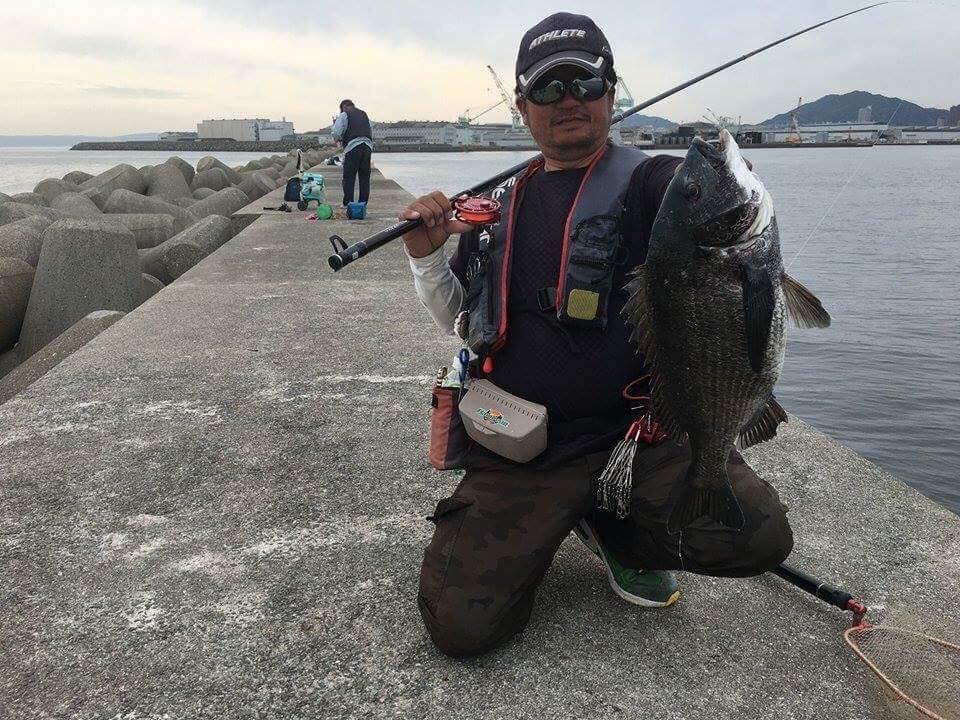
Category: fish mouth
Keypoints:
(714, 154)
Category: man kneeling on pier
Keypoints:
(496, 536)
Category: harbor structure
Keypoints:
(178, 136)
(244, 129)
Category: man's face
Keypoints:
(568, 129)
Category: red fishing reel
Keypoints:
(476, 210)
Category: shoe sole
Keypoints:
(592, 543)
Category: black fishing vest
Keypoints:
(593, 249)
(358, 125)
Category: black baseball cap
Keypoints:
(563, 39)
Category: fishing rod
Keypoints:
(344, 254)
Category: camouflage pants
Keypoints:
(496, 536)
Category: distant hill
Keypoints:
(844, 108)
(657, 123)
(69, 140)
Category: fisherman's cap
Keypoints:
(562, 39)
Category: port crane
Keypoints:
(794, 136)
(514, 113)
(466, 118)
(624, 99)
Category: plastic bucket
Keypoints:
(356, 210)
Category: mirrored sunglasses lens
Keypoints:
(549, 93)
(589, 89)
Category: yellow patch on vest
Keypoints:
(583, 304)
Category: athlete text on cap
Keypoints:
(555, 35)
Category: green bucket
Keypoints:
(324, 212)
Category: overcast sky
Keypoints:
(119, 66)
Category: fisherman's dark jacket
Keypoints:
(560, 339)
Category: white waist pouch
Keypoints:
(510, 426)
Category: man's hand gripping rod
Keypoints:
(344, 255)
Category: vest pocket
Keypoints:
(594, 258)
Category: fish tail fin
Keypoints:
(718, 503)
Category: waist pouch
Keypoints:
(510, 426)
(448, 441)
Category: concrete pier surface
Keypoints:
(215, 509)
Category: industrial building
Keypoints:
(244, 130)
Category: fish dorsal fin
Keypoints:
(803, 306)
(763, 425)
(758, 304)
(636, 310)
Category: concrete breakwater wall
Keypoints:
(215, 509)
(82, 245)
(219, 145)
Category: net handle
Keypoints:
(829, 594)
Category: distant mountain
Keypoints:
(844, 108)
(657, 123)
(69, 140)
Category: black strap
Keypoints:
(547, 299)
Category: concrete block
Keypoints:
(64, 345)
(226, 203)
(146, 172)
(171, 259)
(208, 163)
(85, 265)
(149, 229)
(51, 187)
(289, 169)
(76, 205)
(272, 172)
(124, 201)
(185, 202)
(29, 198)
(185, 168)
(77, 177)
(121, 176)
(208, 234)
(256, 185)
(149, 286)
(16, 279)
(13, 211)
(213, 178)
(23, 239)
(4, 198)
(201, 193)
(96, 195)
(166, 181)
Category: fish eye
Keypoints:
(691, 191)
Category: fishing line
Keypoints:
(838, 195)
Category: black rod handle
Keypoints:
(362, 247)
(808, 583)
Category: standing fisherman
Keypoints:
(553, 333)
(352, 130)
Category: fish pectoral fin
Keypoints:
(803, 306)
(763, 425)
(719, 504)
(759, 301)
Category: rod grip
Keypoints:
(356, 251)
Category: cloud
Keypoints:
(135, 92)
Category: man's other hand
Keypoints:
(435, 210)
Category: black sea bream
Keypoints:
(709, 309)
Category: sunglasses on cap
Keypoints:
(547, 92)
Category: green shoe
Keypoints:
(647, 588)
